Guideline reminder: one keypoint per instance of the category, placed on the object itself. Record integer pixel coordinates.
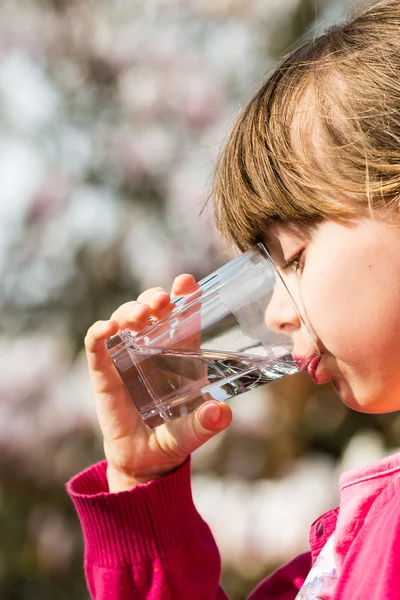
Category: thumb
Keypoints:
(188, 433)
(211, 418)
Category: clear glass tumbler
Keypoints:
(214, 345)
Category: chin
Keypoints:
(365, 402)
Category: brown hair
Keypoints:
(321, 138)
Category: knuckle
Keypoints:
(124, 309)
(156, 290)
(90, 335)
(148, 294)
(126, 306)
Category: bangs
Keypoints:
(272, 170)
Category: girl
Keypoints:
(312, 168)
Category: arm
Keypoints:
(150, 542)
(145, 539)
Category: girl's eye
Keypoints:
(294, 263)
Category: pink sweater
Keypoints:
(151, 543)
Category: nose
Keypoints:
(281, 314)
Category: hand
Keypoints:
(134, 453)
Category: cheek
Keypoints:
(349, 310)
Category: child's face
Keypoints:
(348, 284)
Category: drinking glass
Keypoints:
(215, 343)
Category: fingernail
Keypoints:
(211, 413)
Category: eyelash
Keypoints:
(293, 262)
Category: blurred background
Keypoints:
(112, 113)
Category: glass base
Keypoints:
(164, 414)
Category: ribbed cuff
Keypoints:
(133, 526)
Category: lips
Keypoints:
(313, 366)
(309, 365)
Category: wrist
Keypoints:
(119, 481)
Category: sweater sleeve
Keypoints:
(146, 543)
(286, 582)
(151, 543)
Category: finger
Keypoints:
(160, 306)
(132, 315)
(101, 369)
(187, 323)
(160, 301)
(183, 285)
(115, 410)
(192, 431)
(211, 418)
(147, 296)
